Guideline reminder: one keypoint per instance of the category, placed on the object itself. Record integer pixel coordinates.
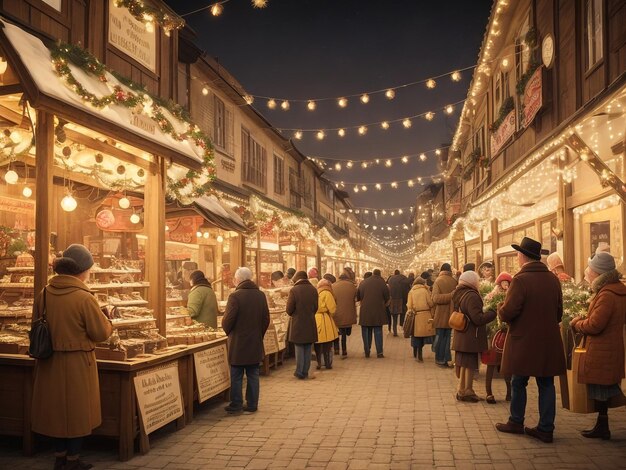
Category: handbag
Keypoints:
(499, 339)
(39, 335)
(409, 324)
(579, 401)
(458, 321)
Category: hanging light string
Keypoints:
(364, 96)
(362, 128)
(217, 8)
(364, 186)
(377, 211)
(346, 163)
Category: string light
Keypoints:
(384, 125)
(311, 105)
(365, 98)
(364, 165)
(342, 102)
(285, 105)
(271, 104)
(406, 123)
(423, 157)
(217, 9)
(249, 99)
(456, 76)
(349, 164)
(341, 132)
(27, 192)
(205, 91)
(429, 116)
(390, 94)
(362, 130)
(430, 83)
(338, 166)
(449, 109)
(298, 135)
(258, 4)
(388, 163)
(320, 135)
(405, 159)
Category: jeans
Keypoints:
(252, 387)
(303, 360)
(366, 332)
(71, 446)
(442, 345)
(547, 401)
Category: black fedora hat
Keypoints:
(529, 247)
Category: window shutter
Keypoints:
(230, 132)
(202, 108)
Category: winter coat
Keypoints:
(66, 393)
(533, 310)
(398, 290)
(474, 338)
(326, 308)
(421, 302)
(442, 297)
(603, 327)
(245, 321)
(202, 305)
(301, 307)
(345, 294)
(373, 294)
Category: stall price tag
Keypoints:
(212, 371)
(270, 340)
(158, 396)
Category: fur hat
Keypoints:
(470, 278)
(76, 259)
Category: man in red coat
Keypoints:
(533, 309)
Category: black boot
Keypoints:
(600, 430)
(328, 359)
(60, 462)
(420, 358)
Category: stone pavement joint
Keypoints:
(392, 413)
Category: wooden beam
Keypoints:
(11, 89)
(43, 200)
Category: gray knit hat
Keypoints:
(602, 262)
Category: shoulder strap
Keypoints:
(461, 300)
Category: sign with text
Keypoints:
(533, 98)
(270, 340)
(131, 37)
(17, 206)
(504, 132)
(212, 371)
(158, 396)
(600, 232)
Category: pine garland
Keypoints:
(141, 102)
(575, 302)
(148, 14)
(505, 109)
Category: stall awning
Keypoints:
(45, 90)
(210, 208)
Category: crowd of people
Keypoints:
(323, 311)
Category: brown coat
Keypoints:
(533, 309)
(374, 296)
(245, 322)
(345, 293)
(421, 302)
(474, 338)
(603, 327)
(301, 307)
(66, 393)
(442, 296)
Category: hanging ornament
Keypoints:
(430, 83)
(390, 94)
(67, 151)
(99, 158)
(311, 105)
(365, 98)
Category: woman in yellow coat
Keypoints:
(327, 330)
(420, 301)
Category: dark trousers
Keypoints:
(324, 350)
(69, 445)
(343, 335)
(367, 332)
(442, 345)
(547, 401)
(394, 323)
(252, 387)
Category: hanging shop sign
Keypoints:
(158, 396)
(17, 206)
(182, 230)
(533, 97)
(131, 36)
(212, 372)
(600, 232)
(504, 133)
(270, 340)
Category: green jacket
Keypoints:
(202, 305)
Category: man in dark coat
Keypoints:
(533, 310)
(245, 321)
(373, 294)
(398, 291)
(301, 307)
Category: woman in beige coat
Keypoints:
(66, 394)
(421, 302)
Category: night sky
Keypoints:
(304, 49)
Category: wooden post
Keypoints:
(45, 153)
(154, 220)
(565, 222)
(495, 243)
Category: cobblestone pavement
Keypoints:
(364, 414)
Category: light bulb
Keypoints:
(342, 102)
(456, 76)
(206, 235)
(311, 105)
(449, 109)
(271, 104)
(362, 130)
(220, 239)
(349, 164)
(341, 132)
(11, 177)
(364, 165)
(249, 99)
(338, 166)
(388, 163)
(365, 98)
(429, 116)
(205, 91)
(124, 202)
(390, 94)
(135, 219)
(150, 27)
(405, 159)
(363, 188)
(27, 192)
(199, 234)
(15, 137)
(430, 83)
(320, 135)
(68, 203)
(384, 125)
(423, 157)
(217, 9)
(298, 135)
(284, 105)
(406, 123)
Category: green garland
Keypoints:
(468, 170)
(146, 14)
(533, 65)
(143, 102)
(505, 109)
(575, 302)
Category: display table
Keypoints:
(126, 391)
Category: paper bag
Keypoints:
(578, 400)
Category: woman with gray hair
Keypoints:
(301, 307)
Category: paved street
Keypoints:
(364, 414)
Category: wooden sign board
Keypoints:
(212, 371)
(131, 36)
(270, 340)
(158, 396)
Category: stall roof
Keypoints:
(213, 211)
(45, 89)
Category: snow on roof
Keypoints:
(37, 60)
